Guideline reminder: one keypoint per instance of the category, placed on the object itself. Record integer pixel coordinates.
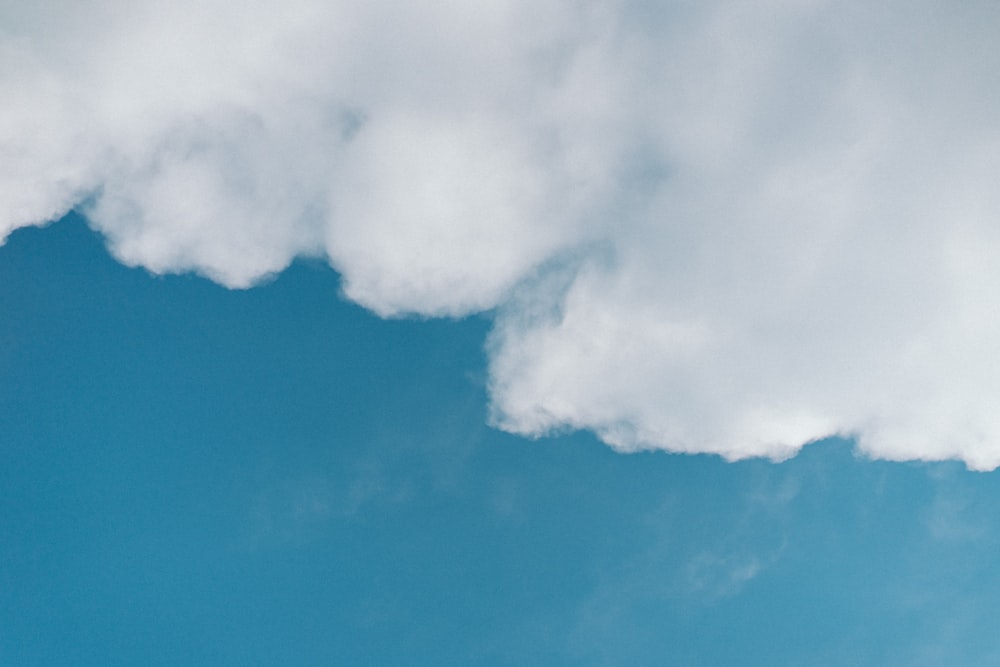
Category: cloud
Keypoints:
(707, 227)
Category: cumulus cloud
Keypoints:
(709, 227)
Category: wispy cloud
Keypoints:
(685, 569)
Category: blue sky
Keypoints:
(194, 475)
(507, 332)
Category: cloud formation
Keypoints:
(708, 227)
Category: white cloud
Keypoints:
(723, 226)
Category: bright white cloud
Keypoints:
(718, 226)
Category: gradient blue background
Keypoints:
(196, 476)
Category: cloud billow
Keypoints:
(706, 227)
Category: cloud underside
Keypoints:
(704, 227)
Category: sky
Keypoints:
(552, 332)
(194, 475)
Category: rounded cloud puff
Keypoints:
(704, 227)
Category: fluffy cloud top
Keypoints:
(705, 226)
